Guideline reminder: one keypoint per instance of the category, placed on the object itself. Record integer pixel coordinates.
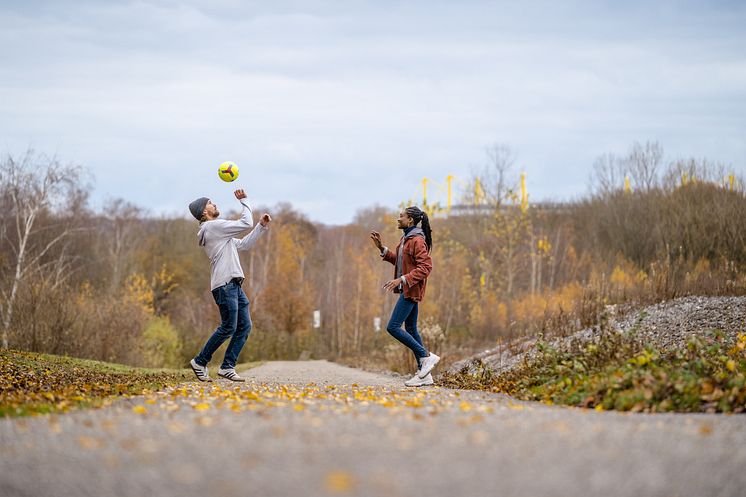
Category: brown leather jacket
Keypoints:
(416, 266)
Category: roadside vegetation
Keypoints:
(33, 383)
(616, 371)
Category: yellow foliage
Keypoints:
(148, 293)
(289, 290)
(535, 307)
(139, 290)
(529, 307)
(623, 279)
(626, 276)
(543, 245)
(565, 297)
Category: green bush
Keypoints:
(159, 344)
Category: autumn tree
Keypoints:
(33, 188)
(288, 296)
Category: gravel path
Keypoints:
(316, 429)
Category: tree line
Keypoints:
(122, 286)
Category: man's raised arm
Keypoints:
(249, 240)
(229, 228)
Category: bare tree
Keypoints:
(495, 177)
(608, 174)
(34, 185)
(686, 171)
(124, 220)
(643, 163)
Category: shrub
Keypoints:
(159, 344)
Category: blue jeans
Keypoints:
(235, 324)
(406, 312)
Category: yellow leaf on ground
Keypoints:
(139, 410)
(203, 406)
(339, 482)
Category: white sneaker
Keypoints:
(229, 374)
(416, 381)
(200, 371)
(428, 363)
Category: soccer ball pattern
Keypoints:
(228, 171)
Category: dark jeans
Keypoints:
(235, 324)
(406, 312)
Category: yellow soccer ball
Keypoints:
(228, 171)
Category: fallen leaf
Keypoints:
(339, 482)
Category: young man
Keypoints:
(216, 236)
(413, 264)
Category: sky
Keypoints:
(335, 106)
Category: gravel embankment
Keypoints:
(666, 325)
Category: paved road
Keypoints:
(316, 429)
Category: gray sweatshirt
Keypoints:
(216, 237)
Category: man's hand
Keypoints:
(376, 237)
(390, 286)
(239, 194)
(265, 220)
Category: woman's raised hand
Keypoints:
(376, 237)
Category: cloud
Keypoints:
(335, 106)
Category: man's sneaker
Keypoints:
(200, 371)
(416, 381)
(428, 363)
(229, 374)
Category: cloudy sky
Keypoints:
(337, 105)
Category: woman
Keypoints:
(413, 264)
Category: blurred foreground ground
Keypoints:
(316, 428)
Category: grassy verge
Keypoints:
(619, 372)
(37, 383)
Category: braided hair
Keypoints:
(418, 215)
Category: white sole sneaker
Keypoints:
(229, 374)
(416, 381)
(428, 363)
(199, 371)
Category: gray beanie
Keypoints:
(198, 207)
